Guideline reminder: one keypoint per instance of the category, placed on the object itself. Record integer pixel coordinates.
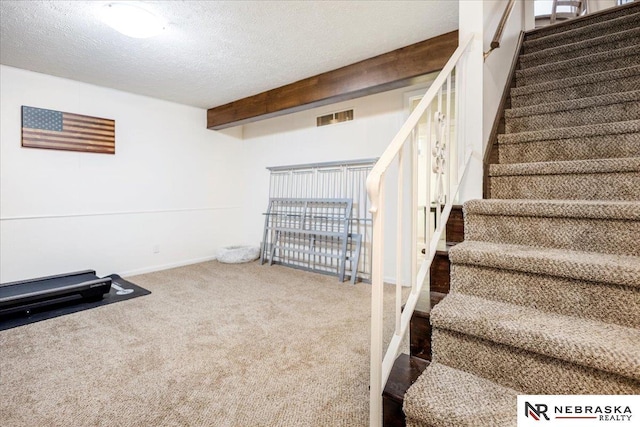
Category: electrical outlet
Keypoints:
(156, 249)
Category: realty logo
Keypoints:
(578, 410)
(536, 411)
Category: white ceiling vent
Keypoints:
(329, 119)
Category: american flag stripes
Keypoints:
(65, 131)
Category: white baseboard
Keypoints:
(392, 281)
(165, 266)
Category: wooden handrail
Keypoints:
(495, 43)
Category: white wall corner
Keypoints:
(471, 21)
(529, 15)
(236, 132)
(486, 79)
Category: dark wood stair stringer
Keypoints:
(420, 329)
(407, 368)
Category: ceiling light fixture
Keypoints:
(132, 20)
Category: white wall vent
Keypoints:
(329, 119)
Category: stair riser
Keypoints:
(594, 147)
(420, 337)
(601, 186)
(440, 273)
(522, 370)
(577, 92)
(587, 21)
(439, 277)
(420, 326)
(527, 62)
(405, 371)
(532, 44)
(597, 301)
(455, 225)
(392, 415)
(606, 236)
(561, 119)
(533, 76)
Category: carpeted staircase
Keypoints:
(545, 289)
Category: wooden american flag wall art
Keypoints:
(66, 131)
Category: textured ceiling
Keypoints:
(213, 52)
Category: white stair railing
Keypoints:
(437, 124)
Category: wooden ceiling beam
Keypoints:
(391, 70)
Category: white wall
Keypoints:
(543, 7)
(596, 5)
(172, 183)
(498, 65)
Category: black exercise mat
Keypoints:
(55, 310)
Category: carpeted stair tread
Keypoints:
(536, 41)
(555, 85)
(606, 82)
(597, 226)
(589, 166)
(591, 179)
(604, 346)
(610, 15)
(584, 148)
(613, 107)
(612, 128)
(593, 141)
(573, 104)
(588, 64)
(570, 297)
(582, 209)
(522, 370)
(447, 397)
(630, 37)
(591, 266)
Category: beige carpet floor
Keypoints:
(213, 345)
